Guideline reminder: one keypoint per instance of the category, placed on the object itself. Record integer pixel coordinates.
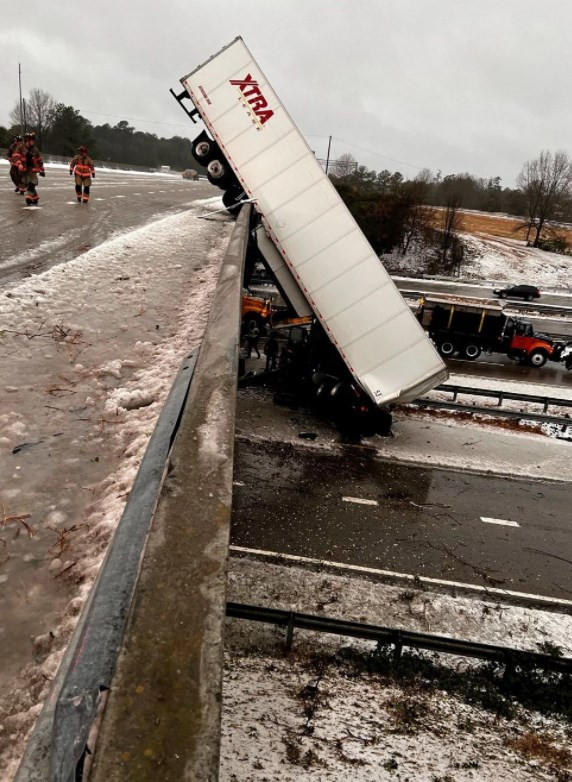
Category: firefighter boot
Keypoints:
(85, 194)
(78, 193)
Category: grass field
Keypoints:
(506, 227)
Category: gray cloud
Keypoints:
(456, 85)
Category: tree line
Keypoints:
(395, 213)
(61, 129)
(398, 214)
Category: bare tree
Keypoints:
(451, 225)
(546, 183)
(40, 108)
(38, 114)
(344, 166)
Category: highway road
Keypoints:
(352, 508)
(61, 229)
(452, 288)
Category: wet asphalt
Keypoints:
(35, 239)
(425, 522)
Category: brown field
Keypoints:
(504, 227)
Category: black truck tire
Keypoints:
(472, 351)
(446, 348)
(537, 358)
(204, 149)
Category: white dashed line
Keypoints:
(360, 501)
(237, 483)
(150, 192)
(502, 522)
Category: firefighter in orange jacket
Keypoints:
(29, 162)
(84, 170)
(17, 146)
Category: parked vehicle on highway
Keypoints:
(190, 173)
(526, 292)
(321, 261)
(466, 327)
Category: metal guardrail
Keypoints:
(398, 638)
(545, 401)
(492, 411)
(58, 741)
(162, 717)
(501, 396)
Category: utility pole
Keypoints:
(21, 103)
(328, 155)
(25, 123)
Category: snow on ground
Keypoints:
(512, 261)
(497, 260)
(126, 170)
(332, 708)
(88, 352)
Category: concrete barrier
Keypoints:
(172, 654)
(162, 719)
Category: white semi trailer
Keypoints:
(314, 247)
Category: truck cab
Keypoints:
(522, 343)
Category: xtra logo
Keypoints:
(253, 99)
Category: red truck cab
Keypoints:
(525, 345)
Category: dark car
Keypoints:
(526, 292)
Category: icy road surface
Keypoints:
(88, 351)
(35, 239)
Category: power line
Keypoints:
(378, 154)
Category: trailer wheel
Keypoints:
(529, 298)
(219, 173)
(231, 198)
(537, 358)
(446, 348)
(472, 351)
(204, 149)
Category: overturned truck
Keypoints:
(366, 350)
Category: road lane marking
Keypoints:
(360, 569)
(502, 522)
(360, 501)
(237, 483)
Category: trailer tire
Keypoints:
(537, 358)
(220, 174)
(231, 199)
(204, 149)
(529, 298)
(472, 351)
(446, 348)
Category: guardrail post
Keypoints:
(545, 407)
(289, 633)
(162, 720)
(501, 399)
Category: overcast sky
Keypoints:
(456, 85)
